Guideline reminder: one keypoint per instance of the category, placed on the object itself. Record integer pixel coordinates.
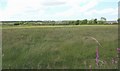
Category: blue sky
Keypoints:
(58, 9)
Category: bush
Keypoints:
(16, 24)
(77, 22)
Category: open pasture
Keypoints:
(59, 47)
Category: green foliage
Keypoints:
(72, 22)
(19, 23)
(84, 21)
(103, 19)
(77, 22)
(95, 21)
(90, 22)
(64, 22)
(118, 20)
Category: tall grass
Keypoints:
(59, 47)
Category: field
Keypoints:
(59, 47)
(0, 47)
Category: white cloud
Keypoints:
(108, 11)
(53, 3)
(110, 0)
(37, 9)
(21, 7)
(77, 9)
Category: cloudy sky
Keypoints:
(58, 9)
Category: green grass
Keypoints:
(0, 47)
(60, 47)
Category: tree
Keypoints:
(91, 21)
(19, 23)
(95, 21)
(77, 22)
(103, 20)
(72, 22)
(84, 21)
(118, 20)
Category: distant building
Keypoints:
(111, 22)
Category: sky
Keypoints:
(21, 10)
(119, 9)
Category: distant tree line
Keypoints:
(95, 21)
(118, 20)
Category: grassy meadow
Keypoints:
(59, 47)
(0, 47)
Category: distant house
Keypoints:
(111, 22)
